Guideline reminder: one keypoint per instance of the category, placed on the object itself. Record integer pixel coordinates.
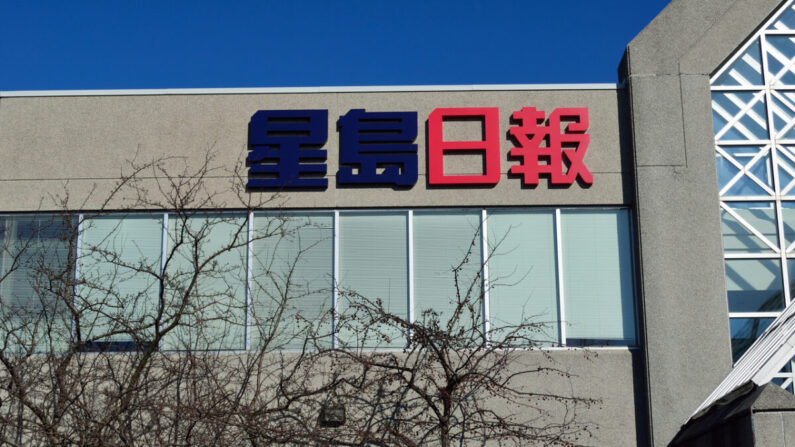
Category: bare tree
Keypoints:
(457, 381)
(105, 344)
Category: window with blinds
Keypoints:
(310, 280)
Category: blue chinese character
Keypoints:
(370, 141)
(285, 149)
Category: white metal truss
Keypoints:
(753, 105)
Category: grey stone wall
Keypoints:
(83, 141)
(685, 313)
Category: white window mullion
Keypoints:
(163, 256)
(782, 242)
(76, 289)
(484, 262)
(335, 280)
(561, 295)
(410, 226)
(765, 49)
(772, 314)
(249, 263)
(751, 256)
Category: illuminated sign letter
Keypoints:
(370, 141)
(489, 145)
(548, 149)
(285, 149)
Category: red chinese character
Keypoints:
(489, 145)
(539, 144)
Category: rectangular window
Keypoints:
(522, 273)
(737, 221)
(448, 268)
(754, 285)
(225, 283)
(291, 281)
(373, 267)
(35, 279)
(206, 278)
(119, 269)
(598, 277)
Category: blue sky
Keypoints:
(49, 45)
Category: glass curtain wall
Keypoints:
(753, 112)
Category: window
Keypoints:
(448, 266)
(753, 112)
(302, 280)
(206, 281)
(523, 278)
(597, 277)
(119, 267)
(35, 278)
(373, 256)
(291, 280)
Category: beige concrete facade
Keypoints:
(47, 142)
(81, 145)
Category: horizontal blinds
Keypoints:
(34, 275)
(447, 268)
(373, 266)
(522, 273)
(288, 259)
(206, 278)
(597, 277)
(119, 265)
(291, 280)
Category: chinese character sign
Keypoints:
(379, 149)
(549, 142)
(378, 141)
(489, 145)
(285, 149)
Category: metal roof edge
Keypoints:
(329, 89)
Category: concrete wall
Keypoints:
(81, 145)
(86, 141)
(774, 429)
(685, 312)
(615, 379)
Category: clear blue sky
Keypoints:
(109, 44)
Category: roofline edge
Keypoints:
(329, 89)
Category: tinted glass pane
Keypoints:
(522, 272)
(373, 266)
(745, 70)
(781, 50)
(739, 116)
(786, 168)
(597, 277)
(785, 21)
(757, 172)
(119, 265)
(35, 276)
(754, 285)
(738, 236)
(783, 116)
(208, 274)
(447, 268)
(291, 281)
(788, 217)
(744, 331)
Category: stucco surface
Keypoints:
(49, 142)
(612, 377)
(685, 311)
